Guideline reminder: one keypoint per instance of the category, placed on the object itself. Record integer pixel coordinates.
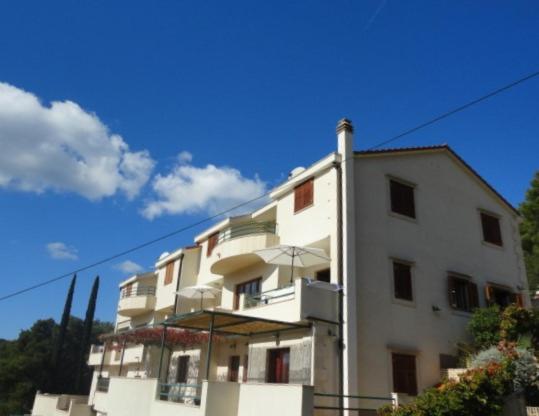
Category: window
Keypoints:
(250, 288)
(278, 365)
(303, 195)
(463, 294)
(501, 296)
(183, 369)
(491, 229)
(448, 361)
(245, 367)
(402, 198)
(402, 281)
(324, 275)
(127, 290)
(233, 368)
(404, 374)
(212, 242)
(169, 273)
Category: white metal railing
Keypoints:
(248, 228)
(270, 296)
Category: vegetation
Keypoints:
(26, 365)
(60, 339)
(529, 230)
(86, 335)
(504, 343)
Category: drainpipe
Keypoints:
(176, 296)
(340, 301)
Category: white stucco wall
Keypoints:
(446, 236)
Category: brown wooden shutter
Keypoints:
(452, 292)
(473, 296)
(212, 242)
(404, 374)
(519, 300)
(303, 195)
(169, 273)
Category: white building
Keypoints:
(413, 239)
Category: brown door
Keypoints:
(233, 368)
(278, 365)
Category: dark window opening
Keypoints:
(245, 367)
(448, 361)
(501, 296)
(183, 369)
(278, 365)
(404, 374)
(402, 281)
(250, 288)
(463, 294)
(402, 198)
(233, 368)
(324, 275)
(491, 229)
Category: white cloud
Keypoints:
(61, 251)
(185, 157)
(129, 266)
(191, 189)
(64, 148)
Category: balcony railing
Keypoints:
(249, 228)
(268, 297)
(103, 384)
(180, 392)
(138, 291)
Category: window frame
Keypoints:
(471, 295)
(236, 304)
(517, 298)
(271, 377)
(411, 265)
(233, 371)
(415, 384)
(302, 205)
(413, 186)
(183, 360)
(485, 213)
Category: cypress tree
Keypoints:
(86, 335)
(60, 340)
(529, 230)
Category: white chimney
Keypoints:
(345, 138)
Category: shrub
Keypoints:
(484, 326)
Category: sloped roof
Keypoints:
(439, 148)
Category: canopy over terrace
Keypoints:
(225, 324)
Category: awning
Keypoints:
(225, 323)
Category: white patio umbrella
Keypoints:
(199, 291)
(293, 256)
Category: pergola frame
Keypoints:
(224, 324)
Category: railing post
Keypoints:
(102, 359)
(210, 342)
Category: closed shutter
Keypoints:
(304, 195)
(473, 296)
(519, 300)
(169, 273)
(404, 374)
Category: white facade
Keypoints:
(350, 217)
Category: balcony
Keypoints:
(299, 301)
(132, 355)
(236, 245)
(136, 301)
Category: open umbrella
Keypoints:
(199, 291)
(293, 256)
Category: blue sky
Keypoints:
(247, 91)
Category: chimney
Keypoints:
(345, 138)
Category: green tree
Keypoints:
(25, 364)
(529, 230)
(81, 383)
(60, 339)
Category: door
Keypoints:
(278, 365)
(233, 368)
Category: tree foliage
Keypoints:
(26, 365)
(529, 230)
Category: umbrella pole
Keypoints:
(292, 267)
(201, 299)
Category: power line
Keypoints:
(195, 224)
(457, 110)
(132, 249)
